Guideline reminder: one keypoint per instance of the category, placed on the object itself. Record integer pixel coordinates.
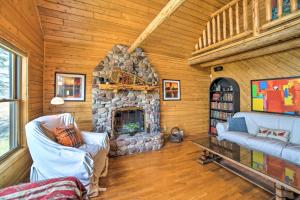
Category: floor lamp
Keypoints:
(55, 101)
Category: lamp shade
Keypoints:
(57, 101)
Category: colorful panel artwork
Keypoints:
(276, 95)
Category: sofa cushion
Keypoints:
(252, 126)
(237, 124)
(237, 137)
(291, 153)
(267, 145)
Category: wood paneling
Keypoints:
(19, 25)
(78, 34)
(107, 22)
(282, 64)
(191, 113)
(173, 173)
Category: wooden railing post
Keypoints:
(204, 38)
(294, 5)
(219, 27)
(200, 43)
(208, 33)
(214, 32)
(224, 25)
(230, 22)
(279, 8)
(237, 19)
(268, 10)
(255, 14)
(245, 14)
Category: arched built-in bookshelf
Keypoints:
(224, 101)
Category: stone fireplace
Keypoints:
(126, 102)
(130, 120)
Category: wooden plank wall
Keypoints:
(282, 64)
(19, 25)
(190, 113)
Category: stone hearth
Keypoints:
(105, 102)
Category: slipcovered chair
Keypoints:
(88, 163)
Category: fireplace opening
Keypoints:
(128, 121)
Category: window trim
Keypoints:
(20, 97)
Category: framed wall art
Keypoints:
(278, 95)
(171, 90)
(71, 87)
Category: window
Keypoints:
(10, 98)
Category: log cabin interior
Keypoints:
(150, 99)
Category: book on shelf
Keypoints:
(222, 96)
(220, 114)
(221, 106)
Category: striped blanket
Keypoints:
(56, 188)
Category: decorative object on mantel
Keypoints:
(171, 90)
(126, 102)
(176, 135)
(70, 87)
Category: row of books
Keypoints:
(222, 106)
(220, 114)
(222, 97)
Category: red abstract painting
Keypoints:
(280, 95)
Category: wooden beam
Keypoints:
(291, 44)
(166, 12)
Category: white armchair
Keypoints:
(88, 163)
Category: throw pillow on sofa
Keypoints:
(68, 136)
(263, 132)
(278, 134)
(237, 124)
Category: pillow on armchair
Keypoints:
(68, 136)
(237, 124)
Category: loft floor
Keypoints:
(173, 174)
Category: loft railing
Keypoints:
(242, 18)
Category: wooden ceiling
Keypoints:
(103, 23)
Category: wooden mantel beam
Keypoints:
(169, 8)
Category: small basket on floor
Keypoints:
(176, 135)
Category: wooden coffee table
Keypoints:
(270, 173)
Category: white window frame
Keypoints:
(17, 103)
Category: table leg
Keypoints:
(205, 157)
(282, 193)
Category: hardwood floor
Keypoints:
(173, 174)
